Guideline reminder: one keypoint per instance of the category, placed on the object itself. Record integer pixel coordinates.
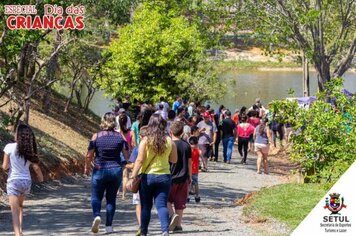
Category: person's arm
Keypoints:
(130, 166)
(214, 138)
(254, 134)
(133, 139)
(38, 172)
(173, 156)
(89, 158)
(190, 169)
(126, 153)
(6, 161)
(140, 158)
(269, 134)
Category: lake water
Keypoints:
(244, 87)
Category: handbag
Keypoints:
(133, 184)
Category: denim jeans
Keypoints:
(228, 144)
(154, 187)
(109, 181)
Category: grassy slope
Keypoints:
(287, 203)
(62, 138)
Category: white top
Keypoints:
(18, 168)
(128, 124)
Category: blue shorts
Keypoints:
(18, 187)
(195, 179)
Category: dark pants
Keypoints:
(243, 147)
(109, 181)
(216, 147)
(154, 188)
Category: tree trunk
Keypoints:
(78, 96)
(88, 99)
(72, 88)
(306, 84)
(51, 70)
(27, 111)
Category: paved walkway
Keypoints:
(63, 208)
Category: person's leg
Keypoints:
(180, 203)
(160, 194)
(204, 156)
(225, 144)
(245, 148)
(97, 191)
(239, 148)
(15, 212)
(125, 178)
(265, 162)
(216, 147)
(274, 137)
(146, 199)
(281, 135)
(259, 161)
(21, 201)
(229, 146)
(112, 184)
(138, 213)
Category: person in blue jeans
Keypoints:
(106, 146)
(228, 129)
(155, 152)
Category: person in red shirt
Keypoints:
(193, 141)
(235, 117)
(253, 120)
(244, 132)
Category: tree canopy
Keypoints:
(159, 54)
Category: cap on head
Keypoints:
(258, 99)
(206, 114)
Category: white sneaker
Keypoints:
(173, 222)
(109, 229)
(96, 224)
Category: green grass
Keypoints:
(247, 65)
(287, 203)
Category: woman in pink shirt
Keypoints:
(244, 131)
(254, 121)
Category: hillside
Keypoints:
(62, 138)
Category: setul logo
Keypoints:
(334, 204)
(335, 222)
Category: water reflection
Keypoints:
(244, 87)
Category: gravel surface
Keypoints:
(63, 207)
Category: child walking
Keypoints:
(193, 141)
(17, 158)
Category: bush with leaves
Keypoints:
(159, 54)
(325, 134)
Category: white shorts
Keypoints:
(136, 199)
(264, 148)
(18, 187)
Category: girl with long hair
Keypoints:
(17, 158)
(156, 151)
(263, 138)
(126, 134)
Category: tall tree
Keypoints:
(159, 54)
(324, 30)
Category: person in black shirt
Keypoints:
(228, 129)
(181, 173)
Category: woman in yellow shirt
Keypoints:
(155, 153)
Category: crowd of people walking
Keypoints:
(166, 147)
(162, 146)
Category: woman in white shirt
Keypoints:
(18, 157)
